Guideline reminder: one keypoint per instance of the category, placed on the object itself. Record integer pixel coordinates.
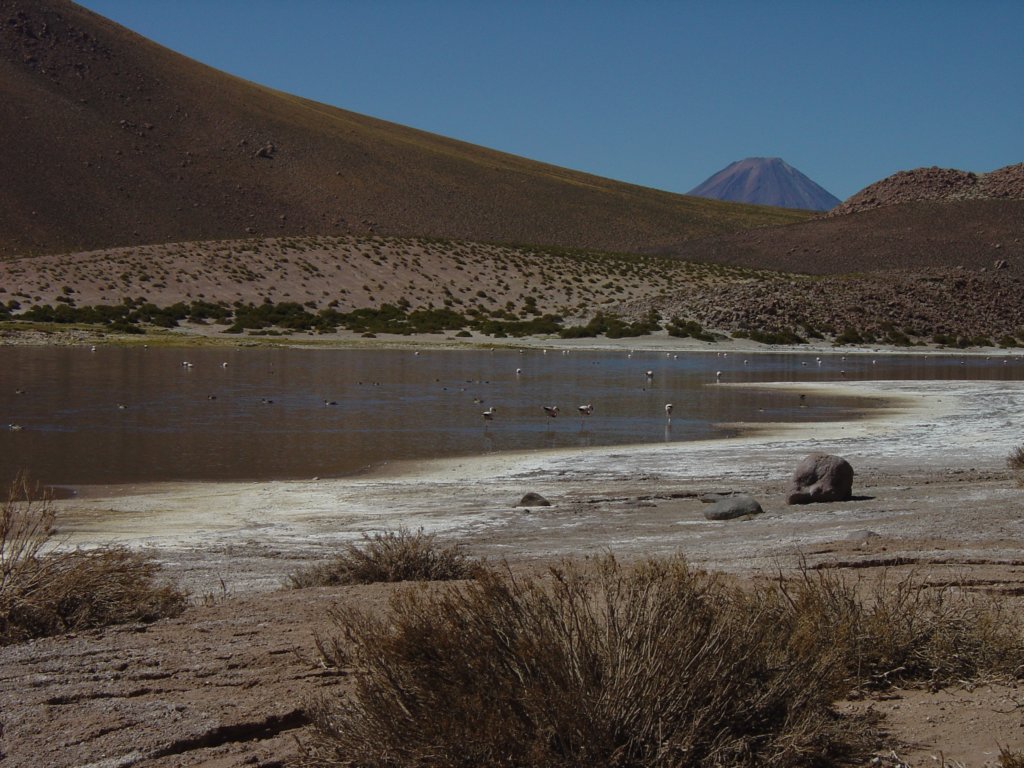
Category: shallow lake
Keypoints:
(126, 415)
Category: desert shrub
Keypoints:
(401, 555)
(658, 665)
(904, 631)
(683, 328)
(599, 665)
(1016, 462)
(45, 592)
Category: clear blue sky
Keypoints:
(656, 93)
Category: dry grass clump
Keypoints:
(1015, 461)
(598, 665)
(400, 555)
(46, 592)
(1016, 458)
(657, 665)
(898, 631)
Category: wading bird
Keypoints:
(551, 410)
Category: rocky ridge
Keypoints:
(936, 184)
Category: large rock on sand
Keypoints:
(821, 477)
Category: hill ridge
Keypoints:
(119, 141)
(937, 184)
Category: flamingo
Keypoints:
(585, 411)
(668, 412)
(551, 410)
(489, 413)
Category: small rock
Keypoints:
(731, 507)
(533, 500)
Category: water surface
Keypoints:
(127, 415)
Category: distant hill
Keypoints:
(912, 220)
(937, 184)
(766, 181)
(112, 140)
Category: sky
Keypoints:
(652, 92)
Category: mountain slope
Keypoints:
(766, 181)
(114, 140)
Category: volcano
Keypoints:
(766, 181)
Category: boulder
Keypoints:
(821, 477)
(731, 507)
(533, 500)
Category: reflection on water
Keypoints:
(121, 415)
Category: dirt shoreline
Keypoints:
(16, 334)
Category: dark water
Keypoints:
(264, 416)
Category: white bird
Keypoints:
(224, 364)
(519, 371)
(586, 410)
(489, 413)
(668, 412)
(718, 374)
(649, 374)
(15, 427)
(330, 402)
(551, 410)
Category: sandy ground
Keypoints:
(224, 685)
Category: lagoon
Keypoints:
(121, 415)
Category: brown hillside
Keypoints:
(110, 139)
(975, 234)
(937, 184)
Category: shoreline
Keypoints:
(660, 341)
(634, 500)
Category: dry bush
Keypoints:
(45, 592)
(1010, 759)
(1015, 460)
(399, 555)
(656, 665)
(599, 665)
(897, 631)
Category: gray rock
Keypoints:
(533, 500)
(821, 477)
(731, 507)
